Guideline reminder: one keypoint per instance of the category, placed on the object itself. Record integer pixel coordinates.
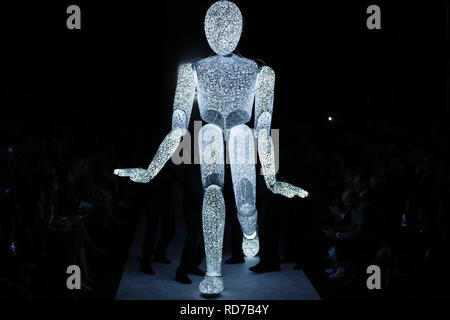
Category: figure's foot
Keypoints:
(196, 272)
(182, 277)
(211, 286)
(263, 268)
(250, 245)
(147, 268)
(161, 259)
(234, 260)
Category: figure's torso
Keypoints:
(226, 89)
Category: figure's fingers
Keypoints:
(301, 193)
(119, 172)
(304, 193)
(294, 191)
(124, 172)
(287, 190)
(287, 194)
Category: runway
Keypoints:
(239, 282)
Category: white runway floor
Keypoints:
(239, 282)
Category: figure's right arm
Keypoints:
(184, 97)
(182, 108)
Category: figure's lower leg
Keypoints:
(242, 160)
(250, 240)
(213, 212)
(213, 230)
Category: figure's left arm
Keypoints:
(265, 84)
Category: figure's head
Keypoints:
(223, 27)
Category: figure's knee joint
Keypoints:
(264, 122)
(213, 179)
(213, 188)
(179, 120)
(251, 236)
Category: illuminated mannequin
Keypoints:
(227, 86)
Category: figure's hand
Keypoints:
(288, 190)
(135, 174)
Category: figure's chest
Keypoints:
(225, 81)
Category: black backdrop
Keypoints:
(113, 81)
(116, 76)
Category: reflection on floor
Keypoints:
(239, 282)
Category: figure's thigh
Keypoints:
(211, 151)
(241, 148)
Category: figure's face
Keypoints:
(223, 27)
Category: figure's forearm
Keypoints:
(267, 157)
(165, 151)
(182, 107)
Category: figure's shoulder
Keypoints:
(221, 60)
(266, 71)
(259, 66)
(248, 62)
(186, 68)
(205, 61)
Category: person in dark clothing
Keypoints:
(268, 236)
(157, 213)
(193, 250)
(357, 242)
(167, 230)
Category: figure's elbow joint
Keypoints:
(179, 120)
(263, 122)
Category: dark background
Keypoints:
(115, 78)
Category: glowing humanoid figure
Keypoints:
(227, 86)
